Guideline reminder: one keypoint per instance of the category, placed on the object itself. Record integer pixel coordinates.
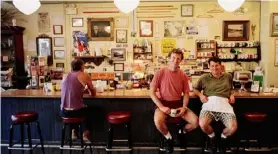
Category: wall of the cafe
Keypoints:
(268, 43)
(255, 10)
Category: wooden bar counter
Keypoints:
(134, 93)
(137, 101)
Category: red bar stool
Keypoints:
(71, 122)
(118, 118)
(256, 120)
(181, 136)
(21, 119)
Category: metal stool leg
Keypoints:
(91, 150)
(11, 137)
(22, 136)
(40, 135)
(63, 138)
(29, 138)
(161, 144)
(129, 137)
(70, 137)
(109, 138)
(81, 137)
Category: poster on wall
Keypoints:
(80, 43)
(44, 22)
(167, 45)
(173, 28)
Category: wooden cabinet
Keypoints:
(205, 49)
(12, 55)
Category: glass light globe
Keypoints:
(230, 5)
(126, 6)
(27, 6)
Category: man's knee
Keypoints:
(195, 123)
(232, 127)
(203, 123)
(158, 120)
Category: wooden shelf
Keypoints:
(204, 56)
(240, 60)
(237, 47)
(88, 57)
(205, 48)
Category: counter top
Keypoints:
(134, 93)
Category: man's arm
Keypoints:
(185, 99)
(90, 85)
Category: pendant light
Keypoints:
(27, 6)
(126, 6)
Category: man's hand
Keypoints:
(232, 99)
(203, 98)
(166, 110)
(181, 111)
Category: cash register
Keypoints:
(242, 77)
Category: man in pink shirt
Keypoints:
(170, 83)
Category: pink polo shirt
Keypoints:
(170, 84)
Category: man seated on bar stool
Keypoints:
(73, 86)
(216, 98)
(171, 83)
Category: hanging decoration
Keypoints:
(126, 6)
(27, 6)
(230, 5)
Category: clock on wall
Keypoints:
(187, 10)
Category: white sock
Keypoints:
(180, 131)
(223, 136)
(211, 135)
(168, 136)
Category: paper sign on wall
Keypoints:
(167, 45)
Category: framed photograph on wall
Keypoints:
(146, 28)
(276, 53)
(274, 25)
(44, 48)
(59, 54)
(187, 10)
(118, 66)
(77, 22)
(101, 29)
(118, 54)
(121, 36)
(57, 29)
(60, 65)
(59, 41)
(237, 30)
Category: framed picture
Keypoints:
(118, 66)
(59, 54)
(59, 41)
(118, 54)
(77, 22)
(57, 29)
(121, 36)
(173, 28)
(44, 48)
(274, 25)
(146, 28)
(101, 29)
(237, 30)
(187, 10)
(60, 65)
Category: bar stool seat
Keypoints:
(118, 117)
(72, 120)
(255, 116)
(21, 117)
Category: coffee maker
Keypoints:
(242, 77)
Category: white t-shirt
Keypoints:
(218, 104)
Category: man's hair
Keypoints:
(176, 51)
(76, 64)
(214, 59)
